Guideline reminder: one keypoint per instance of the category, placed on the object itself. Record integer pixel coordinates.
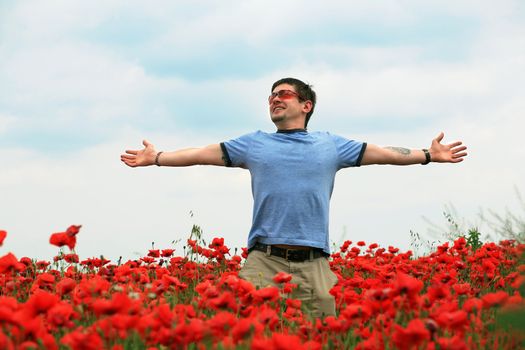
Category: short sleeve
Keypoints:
(235, 152)
(350, 152)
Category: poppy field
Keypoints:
(460, 296)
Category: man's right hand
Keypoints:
(143, 157)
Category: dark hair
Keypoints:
(304, 90)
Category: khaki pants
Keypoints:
(314, 279)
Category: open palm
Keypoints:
(451, 153)
(143, 157)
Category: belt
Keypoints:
(296, 255)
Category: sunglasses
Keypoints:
(283, 94)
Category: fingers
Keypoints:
(440, 136)
(455, 144)
(129, 161)
(459, 155)
(128, 157)
(458, 149)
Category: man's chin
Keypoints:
(277, 118)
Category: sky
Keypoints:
(82, 81)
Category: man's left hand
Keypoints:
(451, 153)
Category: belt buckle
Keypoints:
(287, 253)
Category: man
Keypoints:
(293, 173)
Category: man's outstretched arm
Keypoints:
(451, 153)
(209, 155)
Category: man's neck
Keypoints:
(290, 126)
(290, 131)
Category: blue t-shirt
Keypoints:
(292, 177)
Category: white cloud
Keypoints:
(36, 21)
(6, 121)
(73, 73)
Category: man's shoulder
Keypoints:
(250, 135)
(327, 134)
(256, 133)
(322, 134)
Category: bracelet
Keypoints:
(427, 156)
(157, 158)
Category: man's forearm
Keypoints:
(405, 156)
(183, 157)
(393, 155)
(210, 155)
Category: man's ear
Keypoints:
(307, 106)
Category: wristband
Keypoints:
(427, 156)
(157, 158)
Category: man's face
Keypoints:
(285, 105)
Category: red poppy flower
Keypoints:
(266, 294)
(356, 312)
(460, 243)
(286, 342)
(61, 315)
(282, 277)
(40, 302)
(83, 340)
(61, 239)
(73, 230)
(119, 302)
(456, 320)
(216, 243)
(186, 333)
(392, 250)
(336, 325)
(345, 246)
(6, 342)
(174, 281)
(494, 299)
(10, 262)
(259, 343)
(267, 316)
(244, 328)
(8, 306)
(405, 284)
(355, 250)
(26, 261)
(3, 234)
(65, 286)
(71, 258)
(44, 280)
(414, 334)
(289, 287)
(454, 343)
(438, 292)
(68, 238)
(222, 322)
(154, 253)
(166, 253)
(293, 303)
(462, 288)
(472, 304)
(223, 301)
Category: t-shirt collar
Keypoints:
(291, 131)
